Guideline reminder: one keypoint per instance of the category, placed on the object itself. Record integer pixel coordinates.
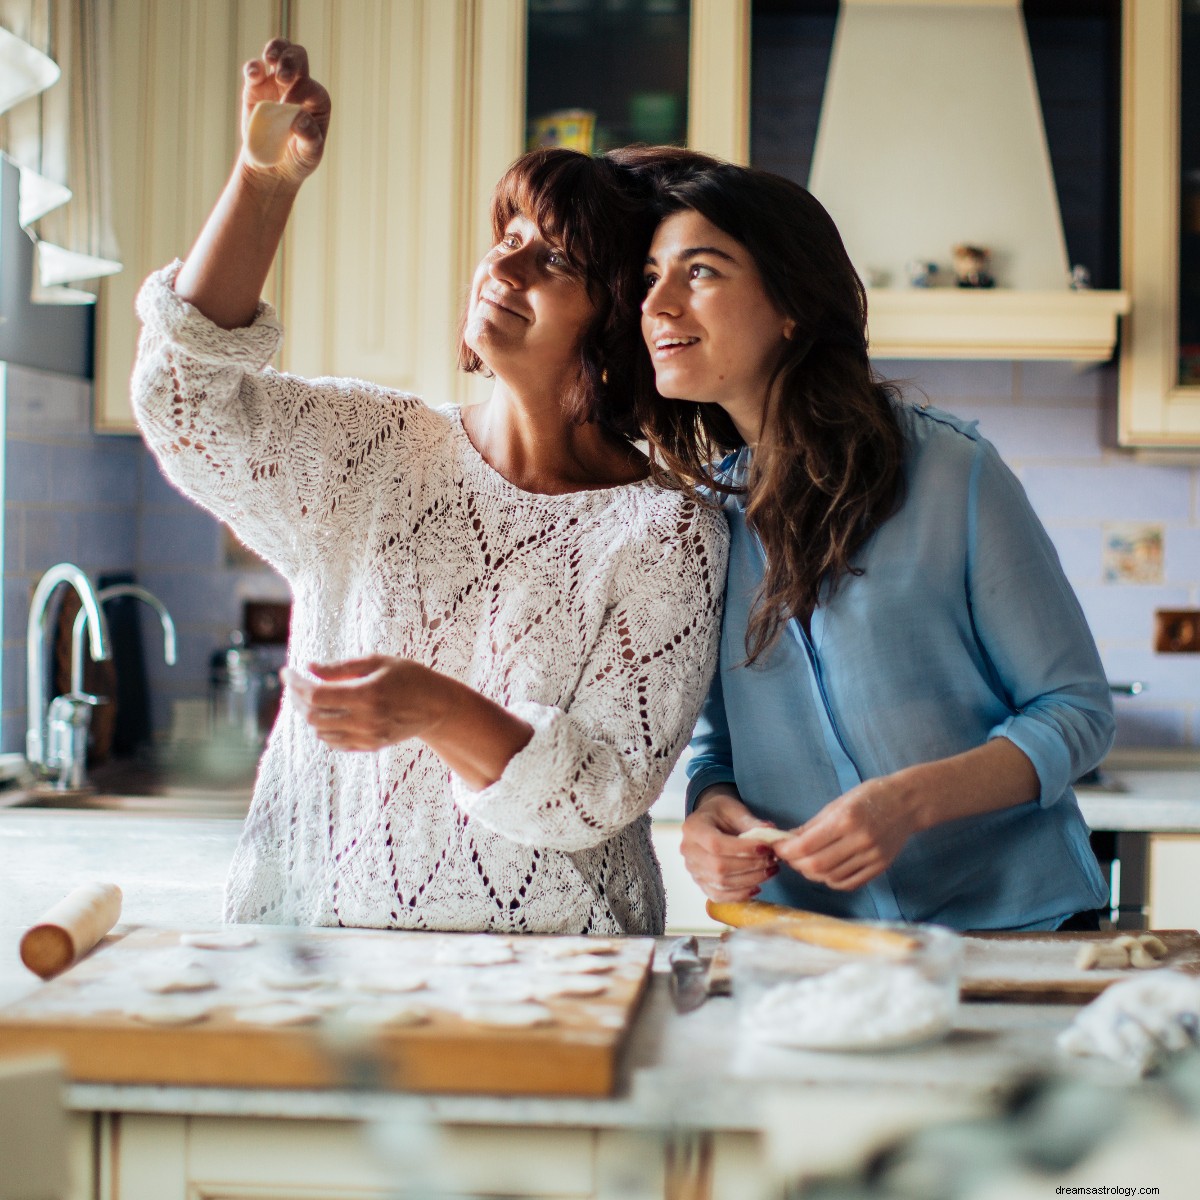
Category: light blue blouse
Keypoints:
(961, 628)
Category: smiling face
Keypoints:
(713, 333)
(529, 309)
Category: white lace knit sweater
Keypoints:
(593, 616)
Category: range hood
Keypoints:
(931, 135)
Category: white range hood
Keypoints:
(931, 134)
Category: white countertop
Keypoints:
(692, 1067)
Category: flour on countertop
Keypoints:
(858, 1006)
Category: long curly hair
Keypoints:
(828, 468)
(589, 207)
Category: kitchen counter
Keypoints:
(172, 870)
(684, 1077)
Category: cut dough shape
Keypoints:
(384, 1014)
(284, 980)
(571, 949)
(387, 984)
(219, 939)
(171, 1012)
(1155, 947)
(509, 1015)
(578, 985)
(1101, 955)
(268, 130)
(764, 834)
(190, 977)
(278, 1014)
(585, 964)
(472, 952)
(1142, 951)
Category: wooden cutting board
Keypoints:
(86, 1016)
(1039, 968)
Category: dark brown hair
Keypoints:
(828, 468)
(584, 205)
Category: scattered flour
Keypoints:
(860, 1006)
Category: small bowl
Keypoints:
(900, 991)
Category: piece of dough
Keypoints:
(406, 981)
(278, 1015)
(570, 949)
(1153, 946)
(509, 1015)
(219, 939)
(764, 834)
(385, 1014)
(268, 130)
(188, 977)
(475, 952)
(286, 980)
(584, 964)
(1140, 957)
(579, 985)
(171, 1012)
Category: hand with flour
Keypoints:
(727, 865)
(285, 120)
(285, 114)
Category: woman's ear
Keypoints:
(789, 328)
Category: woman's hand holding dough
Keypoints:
(284, 139)
(725, 866)
(367, 703)
(854, 838)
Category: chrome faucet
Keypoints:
(38, 750)
(70, 718)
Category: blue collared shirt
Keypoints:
(961, 628)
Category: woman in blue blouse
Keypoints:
(906, 679)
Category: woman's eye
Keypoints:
(556, 258)
(510, 241)
(700, 271)
(649, 281)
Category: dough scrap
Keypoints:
(190, 977)
(764, 834)
(219, 939)
(572, 949)
(475, 952)
(268, 130)
(1142, 951)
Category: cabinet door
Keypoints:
(1174, 890)
(1160, 358)
(176, 78)
(376, 262)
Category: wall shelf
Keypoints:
(999, 323)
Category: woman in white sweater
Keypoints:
(502, 629)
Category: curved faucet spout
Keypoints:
(111, 593)
(35, 641)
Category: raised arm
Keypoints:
(224, 274)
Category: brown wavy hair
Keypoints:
(603, 223)
(828, 469)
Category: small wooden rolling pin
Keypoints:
(64, 934)
(819, 930)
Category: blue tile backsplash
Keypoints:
(100, 501)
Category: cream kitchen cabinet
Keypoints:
(1174, 881)
(149, 1157)
(174, 131)
(428, 111)
(1159, 402)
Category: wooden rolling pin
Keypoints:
(64, 934)
(819, 930)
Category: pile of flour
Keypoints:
(861, 1006)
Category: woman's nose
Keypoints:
(662, 298)
(510, 268)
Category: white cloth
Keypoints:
(1137, 1022)
(594, 616)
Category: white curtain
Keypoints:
(60, 141)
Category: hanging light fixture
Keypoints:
(24, 71)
